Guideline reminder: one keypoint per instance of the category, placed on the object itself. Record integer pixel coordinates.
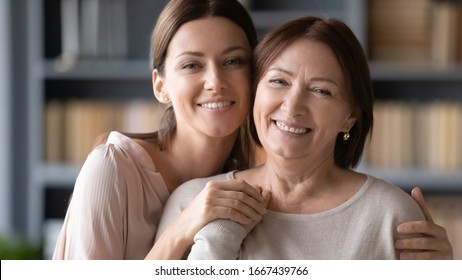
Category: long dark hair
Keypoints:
(173, 16)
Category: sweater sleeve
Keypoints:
(94, 224)
(218, 240)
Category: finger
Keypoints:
(238, 190)
(419, 198)
(253, 191)
(422, 227)
(252, 209)
(423, 255)
(223, 212)
(237, 200)
(236, 185)
(420, 243)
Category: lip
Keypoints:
(291, 128)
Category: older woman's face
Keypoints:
(302, 103)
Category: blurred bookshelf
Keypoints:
(85, 66)
(415, 52)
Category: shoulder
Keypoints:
(108, 163)
(120, 149)
(394, 199)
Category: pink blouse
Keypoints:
(116, 204)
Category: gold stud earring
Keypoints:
(166, 99)
(346, 136)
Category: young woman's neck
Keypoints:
(195, 158)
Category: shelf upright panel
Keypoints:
(5, 119)
(34, 126)
(356, 18)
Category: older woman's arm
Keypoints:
(218, 240)
(434, 244)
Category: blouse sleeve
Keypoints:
(94, 226)
(218, 240)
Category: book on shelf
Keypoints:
(391, 141)
(399, 30)
(94, 29)
(422, 135)
(70, 28)
(54, 126)
(459, 44)
(425, 31)
(73, 126)
(444, 49)
(89, 28)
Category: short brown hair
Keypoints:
(353, 62)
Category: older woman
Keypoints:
(312, 114)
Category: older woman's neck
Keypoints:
(304, 189)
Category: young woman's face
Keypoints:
(207, 77)
(302, 102)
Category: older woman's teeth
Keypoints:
(215, 105)
(294, 130)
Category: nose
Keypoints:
(294, 103)
(215, 81)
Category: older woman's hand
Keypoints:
(434, 244)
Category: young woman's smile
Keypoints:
(207, 76)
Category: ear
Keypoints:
(350, 122)
(158, 85)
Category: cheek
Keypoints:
(334, 118)
(181, 88)
(265, 104)
(258, 104)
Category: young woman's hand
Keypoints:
(229, 199)
(433, 245)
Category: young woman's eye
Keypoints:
(190, 66)
(233, 61)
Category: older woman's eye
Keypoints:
(321, 91)
(278, 82)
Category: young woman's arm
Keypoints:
(433, 245)
(93, 225)
(229, 199)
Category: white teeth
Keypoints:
(215, 105)
(294, 130)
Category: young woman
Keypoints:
(312, 114)
(201, 52)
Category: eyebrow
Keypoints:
(324, 80)
(290, 73)
(200, 54)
